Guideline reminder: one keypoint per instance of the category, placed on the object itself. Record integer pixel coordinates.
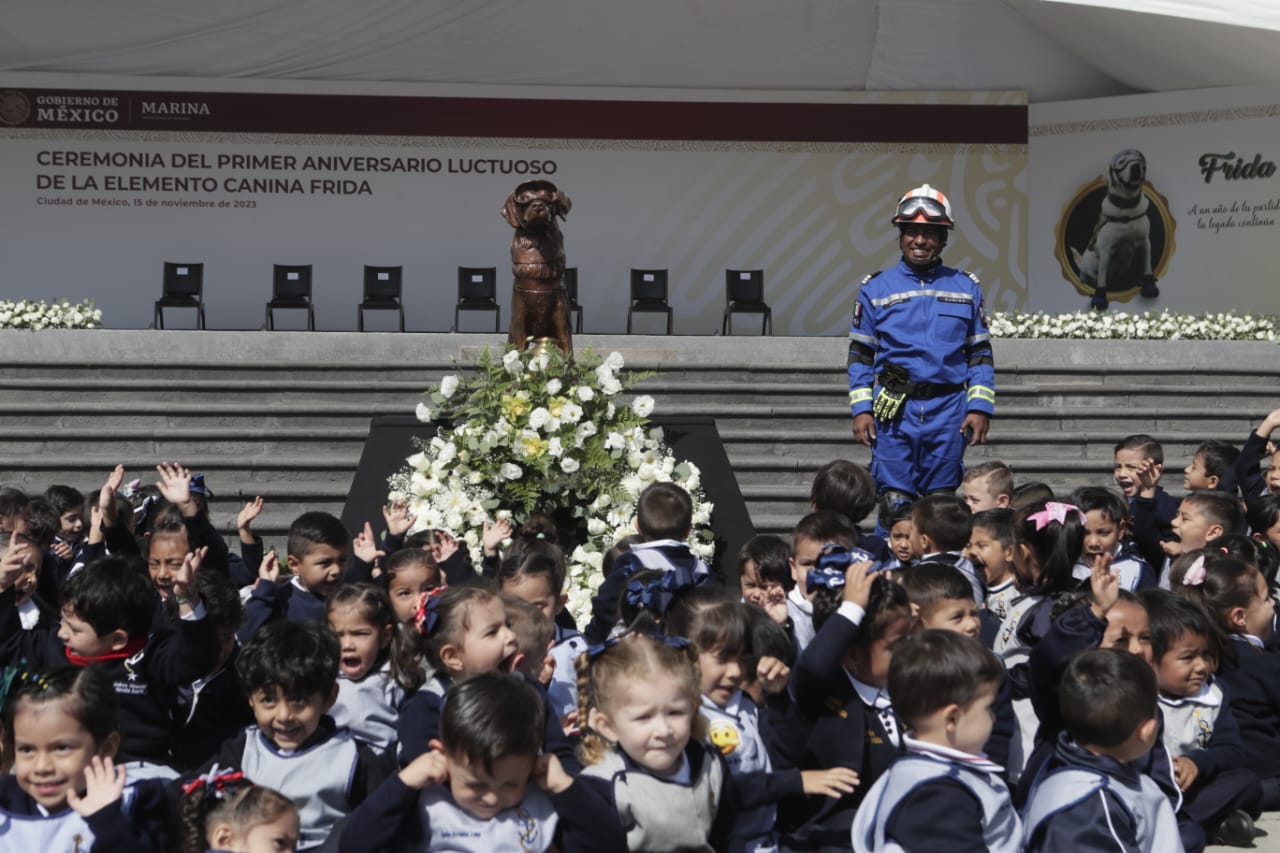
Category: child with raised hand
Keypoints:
(763, 574)
(189, 495)
(1202, 516)
(990, 549)
(410, 572)
(1264, 521)
(471, 790)
(1106, 531)
(1092, 794)
(942, 792)
(1139, 465)
(533, 569)
(643, 749)
(223, 811)
(65, 792)
(318, 550)
(840, 683)
(244, 569)
(166, 547)
(1253, 482)
(289, 670)
(108, 609)
(1199, 731)
(810, 535)
(1237, 601)
(373, 664)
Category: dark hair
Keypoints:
(901, 512)
(221, 600)
(165, 519)
(844, 487)
(1264, 512)
(317, 528)
(86, 694)
(1105, 695)
(888, 602)
(934, 668)
(1030, 493)
(945, 519)
(64, 499)
(766, 638)
(533, 630)
(301, 658)
(453, 617)
(1219, 508)
(929, 583)
(1144, 444)
(1219, 457)
(1056, 546)
(825, 526)
(488, 717)
(770, 554)
(1228, 583)
(532, 553)
(405, 558)
(999, 475)
(13, 501)
(622, 546)
(1109, 502)
(1171, 616)
(998, 521)
(239, 803)
(664, 511)
(710, 618)
(111, 594)
(45, 522)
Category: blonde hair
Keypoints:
(630, 659)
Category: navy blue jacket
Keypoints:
(1153, 524)
(1251, 680)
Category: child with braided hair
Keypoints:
(225, 812)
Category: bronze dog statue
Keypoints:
(539, 307)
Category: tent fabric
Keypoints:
(1054, 50)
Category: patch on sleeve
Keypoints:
(857, 315)
(974, 277)
(982, 311)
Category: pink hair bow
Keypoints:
(1053, 512)
(1195, 574)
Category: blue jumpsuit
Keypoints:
(932, 325)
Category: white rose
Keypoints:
(511, 362)
(584, 393)
(603, 373)
(595, 527)
(571, 413)
(614, 441)
(510, 471)
(448, 386)
(642, 406)
(555, 448)
(569, 465)
(586, 429)
(614, 361)
(611, 387)
(539, 417)
(423, 411)
(554, 386)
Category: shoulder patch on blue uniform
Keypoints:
(866, 278)
(972, 276)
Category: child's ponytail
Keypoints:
(225, 798)
(1054, 534)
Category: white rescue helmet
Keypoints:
(926, 205)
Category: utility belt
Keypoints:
(896, 388)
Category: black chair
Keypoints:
(571, 297)
(649, 295)
(744, 294)
(382, 291)
(478, 291)
(183, 288)
(291, 288)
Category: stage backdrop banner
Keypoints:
(1209, 212)
(108, 178)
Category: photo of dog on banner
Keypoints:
(1118, 256)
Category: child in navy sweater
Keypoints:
(1091, 796)
(319, 547)
(944, 686)
(1106, 531)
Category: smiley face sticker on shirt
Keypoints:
(724, 736)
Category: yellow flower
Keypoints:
(531, 447)
(514, 407)
(554, 405)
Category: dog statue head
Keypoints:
(1129, 168)
(535, 204)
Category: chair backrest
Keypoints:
(477, 283)
(291, 280)
(649, 285)
(744, 285)
(571, 284)
(382, 281)
(183, 279)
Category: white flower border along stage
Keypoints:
(538, 432)
(1107, 325)
(35, 315)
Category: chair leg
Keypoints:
(457, 319)
(200, 317)
(628, 322)
(311, 319)
(497, 320)
(271, 326)
(159, 322)
(766, 327)
(359, 319)
(402, 319)
(668, 321)
(726, 325)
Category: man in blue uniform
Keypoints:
(921, 373)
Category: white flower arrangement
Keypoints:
(540, 432)
(1165, 326)
(36, 315)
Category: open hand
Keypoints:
(1104, 584)
(495, 534)
(365, 546)
(251, 510)
(184, 579)
(269, 570)
(175, 486)
(1185, 772)
(103, 785)
(443, 545)
(430, 768)
(398, 518)
(833, 782)
(857, 583)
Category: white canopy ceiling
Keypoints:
(1053, 49)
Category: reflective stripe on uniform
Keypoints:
(981, 392)
(952, 295)
(859, 395)
(867, 340)
(977, 339)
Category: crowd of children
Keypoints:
(1005, 669)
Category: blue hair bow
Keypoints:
(198, 486)
(143, 512)
(657, 594)
(427, 613)
(598, 649)
(834, 560)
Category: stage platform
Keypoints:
(286, 415)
